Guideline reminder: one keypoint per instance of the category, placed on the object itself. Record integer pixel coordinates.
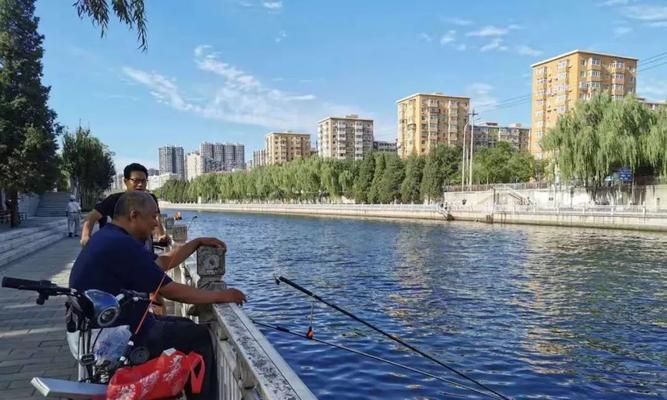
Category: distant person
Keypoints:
(135, 178)
(73, 212)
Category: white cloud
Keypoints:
(448, 37)
(527, 51)
(425, 37)
(241, 97)
(611, 3)
(655, 16)
(491, 30)
(161, 88)
(495, 44)
(458, 21)
(281, 35)
(273, 5)
(622, 30)
(480, 95)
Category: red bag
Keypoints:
(164, 376)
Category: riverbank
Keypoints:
(600, 217)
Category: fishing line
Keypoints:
(279, 279)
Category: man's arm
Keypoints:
(87, 228)
(176, 256)
(186, 294)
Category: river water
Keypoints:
(533, 312)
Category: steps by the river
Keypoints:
(52, 204)
(36, 234)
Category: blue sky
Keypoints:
(233, 70)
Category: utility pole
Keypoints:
(463, 164)
(472, 131)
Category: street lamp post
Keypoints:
(463, 165)
(472, 131)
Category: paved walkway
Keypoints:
(32, 337)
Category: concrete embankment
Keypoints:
(607, 219)
(341, 210)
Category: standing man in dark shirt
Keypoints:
(135, 178)
(116, 259)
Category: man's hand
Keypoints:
(211, 242)
(84, 238)
(232, 295)
(163, 240)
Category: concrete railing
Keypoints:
(248, 365)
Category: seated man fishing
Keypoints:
(115, 258)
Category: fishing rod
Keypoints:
(371, 356)
(389, 335)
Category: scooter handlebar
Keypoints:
(24, 284)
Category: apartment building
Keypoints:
(222, 157)
(426, 120)
(489, 134)
(194, 165)
(172, 161)
(258, 158)
(559, 82)
(384, 147)
(342, 138)
(283, 147)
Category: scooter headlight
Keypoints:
(105, 307)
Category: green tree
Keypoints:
(654, 143)
(389, 189)
(441, 167)
(130, 12)
(89, 165)
(601, 135)
(378, 173)
(414, 169)
(363, 181)
(28, 130)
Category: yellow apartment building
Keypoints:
(342, 138)
(559, 82)
(282, 147)
(428, 119)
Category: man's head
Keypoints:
(72, 198)
(136, 212)
(135, 177)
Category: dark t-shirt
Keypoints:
(106, 206)
(113, 260)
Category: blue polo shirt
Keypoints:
(113, 260)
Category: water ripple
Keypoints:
(535, 312)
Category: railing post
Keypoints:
(210, 270)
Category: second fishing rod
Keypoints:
(300, 288)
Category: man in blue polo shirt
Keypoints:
(115, 258)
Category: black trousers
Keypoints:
(186, 336)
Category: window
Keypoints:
(583, 62)
(562, 75)
(596, 61)
(619, 77)
(594, 74)
(582, 74)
